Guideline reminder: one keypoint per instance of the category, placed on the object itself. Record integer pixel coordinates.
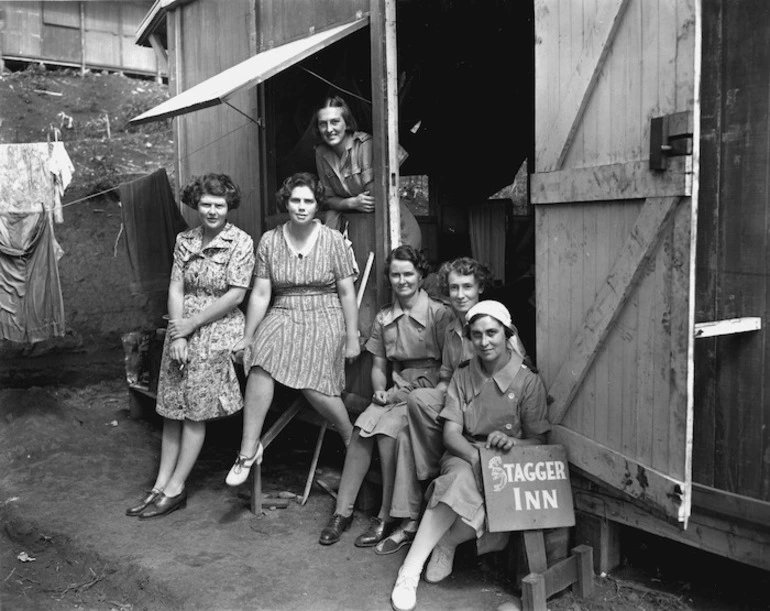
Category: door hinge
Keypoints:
(670, 135)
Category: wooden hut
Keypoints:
(95, 35)
(646, 129)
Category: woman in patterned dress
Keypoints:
(211, 273)
(303, 339)
(493, 401)
(409, 335)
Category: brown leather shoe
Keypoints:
(164, 505)
(146, 501)
(376, 532)
(334, 529)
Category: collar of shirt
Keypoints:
(331, 157)
(503, 378)
(418, 313)
(194, 238)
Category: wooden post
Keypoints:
(82, 39)
(584, 586)
(602, 535)
(385, 131)
(161, 57)
(533, 592)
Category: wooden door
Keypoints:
(615, 239)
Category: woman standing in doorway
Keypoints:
(312, 326)
(212, 270)
(345, 167)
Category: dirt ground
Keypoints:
(72, 460)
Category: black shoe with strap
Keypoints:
(377, 531)
(334, 529)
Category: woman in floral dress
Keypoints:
(302, 340)
(211, 273)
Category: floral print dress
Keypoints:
(207, 387)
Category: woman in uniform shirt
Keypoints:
(495, 401)
(409, 334)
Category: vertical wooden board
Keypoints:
(681, 344)
(662, 359)
(709, 212)
(604, 115)
(649, 68)
(589, 291)
(542, 300)
(607, 428)
(617, 97)
(102, 16)
(668, 32)
(569, 234)
(546, 71)
(632, 124)
(687, 16)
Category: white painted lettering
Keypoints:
(560, 470)
(532, 499)
(549, 499)
(517, 498)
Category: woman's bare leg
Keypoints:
(386, 446)
(193, 435)
(333, 409)
(357, 461)
(260, 387)
(171, 441)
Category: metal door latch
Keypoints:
(670, 135)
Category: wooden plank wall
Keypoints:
(219, 139)
(634, 396)
(637, 81)
(281, 21)
(50, 31)
(732, 408)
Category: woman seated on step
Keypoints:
(421, 444)
(408, 335)
(303, 339)
(494, 401)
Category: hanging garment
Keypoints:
(487, 228)
(34, 174)
(31, 304)
(151, 220)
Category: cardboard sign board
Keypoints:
(527, 488)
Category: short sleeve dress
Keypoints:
(413, 343)
(512, 401)
(301, 340)
(207, 387)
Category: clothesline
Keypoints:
(190, 154)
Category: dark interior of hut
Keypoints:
(465, 117)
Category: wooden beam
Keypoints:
(161, 55)
(82, 8)
(616, 181)
(729, 326)
(661, 492)
(719, 536)
(639, 247)
(730, 505)
(385, 132)
(595, 48)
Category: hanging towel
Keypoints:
(31, 304)
(34, 174)
(151, 220)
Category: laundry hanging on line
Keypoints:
(34, 174)
(151, 221)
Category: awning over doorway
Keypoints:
(248, 73)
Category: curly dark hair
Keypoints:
(220, 185)
(464, 266)
(300, 179)
(334, 101)
(405, 252)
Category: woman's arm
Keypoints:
(380, 379)
(457, 444)
(258, 304)
(347, 295)
(184, 327)
(175, 305)
(363, 202)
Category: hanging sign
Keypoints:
(527, 488)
